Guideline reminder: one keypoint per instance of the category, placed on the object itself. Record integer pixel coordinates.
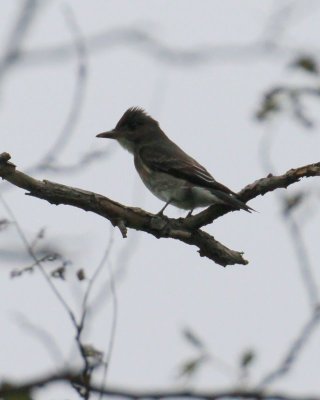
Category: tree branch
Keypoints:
(120, 215)
(8, 389)
(183, 229)
(258, 188)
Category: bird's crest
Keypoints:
(133, 117)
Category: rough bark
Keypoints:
(186, 230)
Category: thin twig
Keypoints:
(120, 268)
(42, 335)
(17, 35)
(294, 231)
(9, 390)
(113, 328)
(87, 369)
(306, 274)
(78, 95)
(94, 278)
(303, 258)
(294, 350)
(154, 47)
(48, 161)
(83, 161)
(37, 261)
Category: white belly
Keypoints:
(177, 191)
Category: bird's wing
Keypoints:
(174, 161)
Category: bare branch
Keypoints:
(18, 34)
(274, 98)
(110, 347)
(303, 259)
(38, 262)
(186, 230)
(116, 213)
(81, 163)
(78, 96)
(153, 47)
(294, 350)
(49, 160)
(42, 336)
(85, 307)
(294, 229)
(258, 188)
(9, 389)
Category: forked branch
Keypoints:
(186, 230)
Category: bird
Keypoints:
(165, 169)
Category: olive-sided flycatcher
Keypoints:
(167, 171)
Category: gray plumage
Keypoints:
(167, 171)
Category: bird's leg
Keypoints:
(190, 213)
(164, 207)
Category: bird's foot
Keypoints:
(190, 213)
(160, 213)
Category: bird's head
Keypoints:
(134, 127)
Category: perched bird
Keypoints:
(167, 171)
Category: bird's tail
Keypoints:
(232, 200)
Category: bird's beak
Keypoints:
(110, 134)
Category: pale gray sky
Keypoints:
(205, 103)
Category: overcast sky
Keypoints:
(201, 69)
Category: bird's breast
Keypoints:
(159, 183)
